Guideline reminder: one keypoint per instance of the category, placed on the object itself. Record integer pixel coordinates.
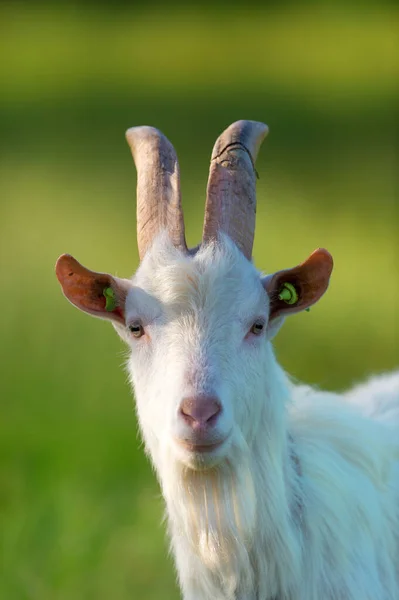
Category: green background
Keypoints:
(80, 510)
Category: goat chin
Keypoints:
(203, 460)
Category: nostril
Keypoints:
(200, 411)
(211, 420)
(188, 418)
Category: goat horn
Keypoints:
(158, 188)
(231, 199)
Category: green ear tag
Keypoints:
(288, 294)
(110, 300)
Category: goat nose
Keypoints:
(200, 411)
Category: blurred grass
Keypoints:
(80, 510)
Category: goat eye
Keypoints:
(257, 327)
(136, 329)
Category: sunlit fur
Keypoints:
(302, 501)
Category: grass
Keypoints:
(80, 510)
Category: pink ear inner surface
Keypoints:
(310, 279)
(85, 288)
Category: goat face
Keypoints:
(199, 363)
(197, 322)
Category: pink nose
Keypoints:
(200, 412)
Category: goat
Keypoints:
(272, 490)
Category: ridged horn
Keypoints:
(158, 188)
(231, 198)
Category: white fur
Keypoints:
(302, 500)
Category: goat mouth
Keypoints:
(199, 448)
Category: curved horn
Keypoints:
(158, 187)
(231, 200)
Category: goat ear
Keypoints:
(296, 289)
(98, 294)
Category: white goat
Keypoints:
(273, 491)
